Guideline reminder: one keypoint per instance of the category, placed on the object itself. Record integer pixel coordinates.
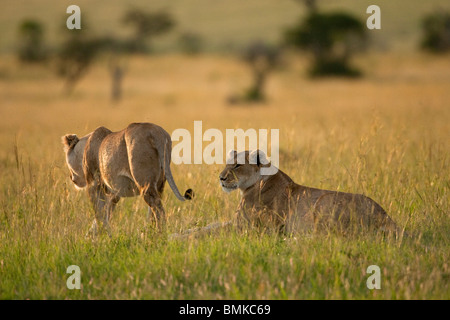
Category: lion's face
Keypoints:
(74, 149)
(242, 170)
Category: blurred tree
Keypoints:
(332, 38)
(436, 32)
(31, 37)
(146, 26)
(190, 43)
(117, 69)
(78, 52)
(81, 47)
(116, 51)
(262, 59)
(76, 55)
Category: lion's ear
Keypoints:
(230, 156)
(69, 141)
(257, 157)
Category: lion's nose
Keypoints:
(222, 178)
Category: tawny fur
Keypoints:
(110, 165)
(277, 202)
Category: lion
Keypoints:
(131, 162)
(276, 202)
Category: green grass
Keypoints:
(385, 135)
(231, 266)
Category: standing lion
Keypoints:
(110, 165)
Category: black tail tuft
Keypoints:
(189, 194)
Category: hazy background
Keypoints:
(222, 24)
(384, 134)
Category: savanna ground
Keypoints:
(385, 135)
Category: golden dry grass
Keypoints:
(385, 135)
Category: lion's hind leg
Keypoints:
(148, 175)
(155, 207)
(103, 205)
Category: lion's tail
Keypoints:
(166, 156)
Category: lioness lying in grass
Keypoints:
(276, 202)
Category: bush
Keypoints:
(31, 47)
(261, 59)
(76, 55)
(146, 26)
(436, 29)
(332, 39)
